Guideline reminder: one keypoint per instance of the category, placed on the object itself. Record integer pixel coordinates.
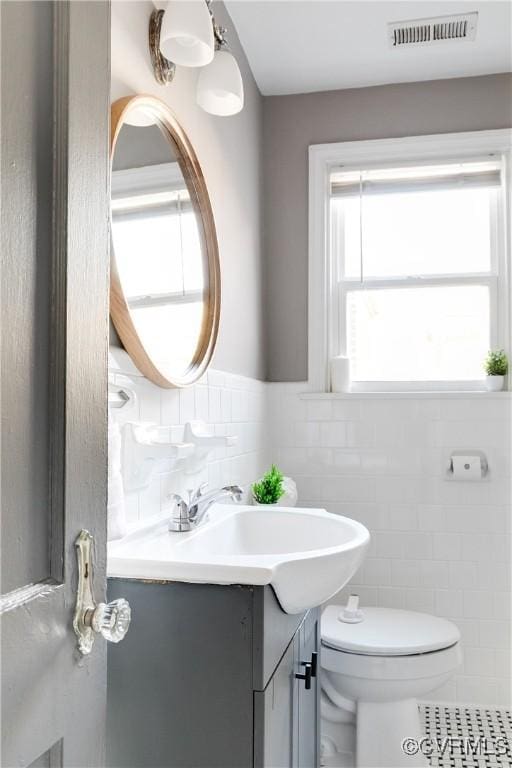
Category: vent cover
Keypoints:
(440, 29)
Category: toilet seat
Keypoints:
(411, 668)
(387, 632)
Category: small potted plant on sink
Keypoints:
(270, 488)
(496, 368)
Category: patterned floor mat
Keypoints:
(467, 737)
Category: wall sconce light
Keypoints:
(187, 34)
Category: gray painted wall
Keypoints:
(291, 124)
(139, 147)
(229, 150)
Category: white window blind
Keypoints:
(381, 181)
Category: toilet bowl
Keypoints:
(375, 664)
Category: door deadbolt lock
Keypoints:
(111, 620)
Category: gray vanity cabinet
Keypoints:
(276, 719)
(308, 704)
(207, 678)
(287, 712)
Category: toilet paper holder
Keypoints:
(473, 462)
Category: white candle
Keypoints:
(340, 374)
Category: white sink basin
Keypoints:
(307, 555)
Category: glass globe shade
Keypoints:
(220, 89)
(186, 34)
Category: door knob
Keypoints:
(111, 620)
(314, 664)
(308, 670)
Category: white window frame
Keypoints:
(325, 304)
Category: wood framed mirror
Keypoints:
(165, 273)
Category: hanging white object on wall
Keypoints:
(466, 466)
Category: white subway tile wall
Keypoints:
(229, 405)
(438, 545)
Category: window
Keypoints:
(415, 271)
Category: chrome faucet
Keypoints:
(189, 514)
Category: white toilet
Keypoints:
(376, 662)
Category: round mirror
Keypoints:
(165, 277)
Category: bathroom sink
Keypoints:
(307, 555)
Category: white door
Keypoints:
(54, 235)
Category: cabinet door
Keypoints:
(309, 700)
(276, 722)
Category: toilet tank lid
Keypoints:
(388, 632)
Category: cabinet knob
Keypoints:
(308, 672)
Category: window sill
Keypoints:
(410, 395)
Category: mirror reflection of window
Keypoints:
(158, 247)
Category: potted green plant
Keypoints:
(270, 488)
(496, 368)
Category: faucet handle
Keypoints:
(178, 500)
(194, 496)
(180, 521)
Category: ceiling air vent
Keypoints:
(441, 29)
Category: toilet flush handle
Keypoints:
(351, 614)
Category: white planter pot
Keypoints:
(264, 506)
(494, 383)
